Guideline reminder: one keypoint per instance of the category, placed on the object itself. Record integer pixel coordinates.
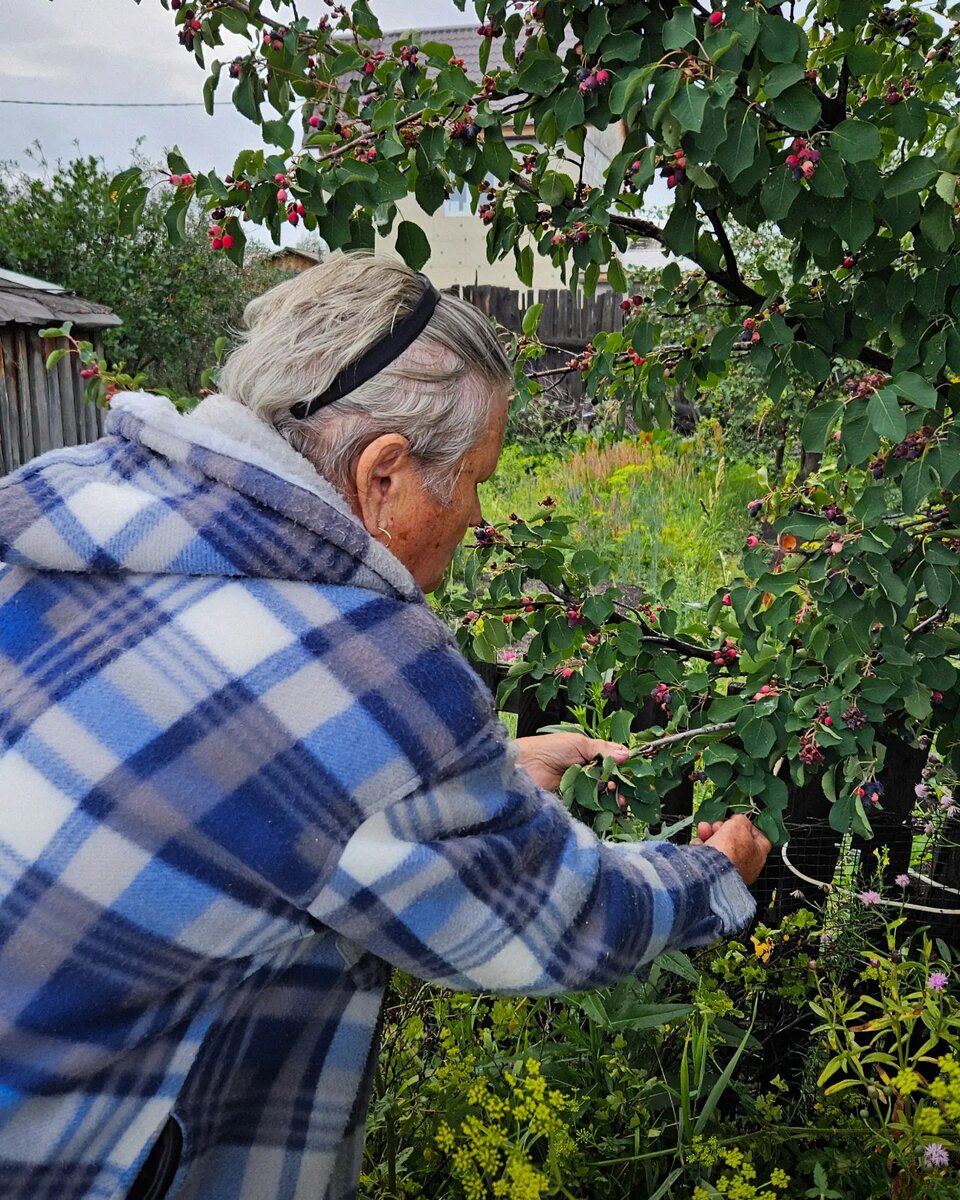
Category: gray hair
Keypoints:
(437, 394)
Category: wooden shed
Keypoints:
(40, 409)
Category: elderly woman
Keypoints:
(244, 769)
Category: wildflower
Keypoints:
(902, 881)
(445, 1138)
(906, 1081)
(869, 898)
(929, 829)
(779, 1178)
(921, 791)
(937, 981)
(935, 1155)
(700, 1193)
(946, 800)
(762, 950)
(508, 655)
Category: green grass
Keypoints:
(656, 506)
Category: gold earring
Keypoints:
(387, 534)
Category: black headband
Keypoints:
(380, 355)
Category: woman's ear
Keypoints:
(382, 478)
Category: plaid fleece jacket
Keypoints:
(243, 768)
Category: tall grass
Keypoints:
(656, 506)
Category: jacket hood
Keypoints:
(212, 492)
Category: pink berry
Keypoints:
(281, 195)
(293, 218)
(216, 243)
(186, 180)
(175, 180)
(715, 19)
(602, 76)
(752, 541)
(314, 120)
(828, 720)
(227, 241)
(279, 177)
(727, 600)
(567, 672)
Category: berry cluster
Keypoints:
(938, 54)
(727, 654)
(575, 618)
(610, 693)
(750, 333)
(189, 29)
(578, 235)
(219, 239)
(408, 56)
(870, 792)
(892, 19)
(897, 92)
(630, 302)
(853, 718)
(528, 164)
(765, 691)
(674, 170)
(866, 385)
(273, 38)
(489, 30)
(373, 61)
(591, 81)
(755, 508)
(810, 753)
(913, 444)
(834, 513)
(637, 359)
(235, 68)
(486, 213)
(184, 181)
(486, 535)
(317, 122)
(581, 362)
(464, 131)
(662, 696)
(802, 161)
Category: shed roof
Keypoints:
(27, 301)
(463, 40)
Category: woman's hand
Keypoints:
(547, 756)
(740, 840)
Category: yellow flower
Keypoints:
(700, 1193)
(906, 1081)
(779, 1178)
(762, 950)
(445, 1138)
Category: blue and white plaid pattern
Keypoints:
(242, 769)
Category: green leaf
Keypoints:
(936, 223)
(688, 107)
(886, 416)
(531, 319)
(278, 133)
(555, 188)
(412, 245)
(778, 194)
(540, 73)
(615, 276)
(758, 737)
(739, 148)
(680, 30)
(910, 177)
(938, 583)
(853, 221)
(781, 40)
(176, 163)
(817, 423)
(524, 263)
(55, 355)
(914, 387)
(856, 141)
(797, 107)
(568, 110)
(781, 77)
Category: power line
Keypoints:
(109, 103)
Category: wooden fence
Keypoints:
(566, 320)
(39, 409)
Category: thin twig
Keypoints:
(685, 735)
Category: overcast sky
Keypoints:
(70, 51)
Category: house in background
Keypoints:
(39, 409)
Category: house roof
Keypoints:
(28, 301)
(295, 252)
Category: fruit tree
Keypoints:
(832, 124)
